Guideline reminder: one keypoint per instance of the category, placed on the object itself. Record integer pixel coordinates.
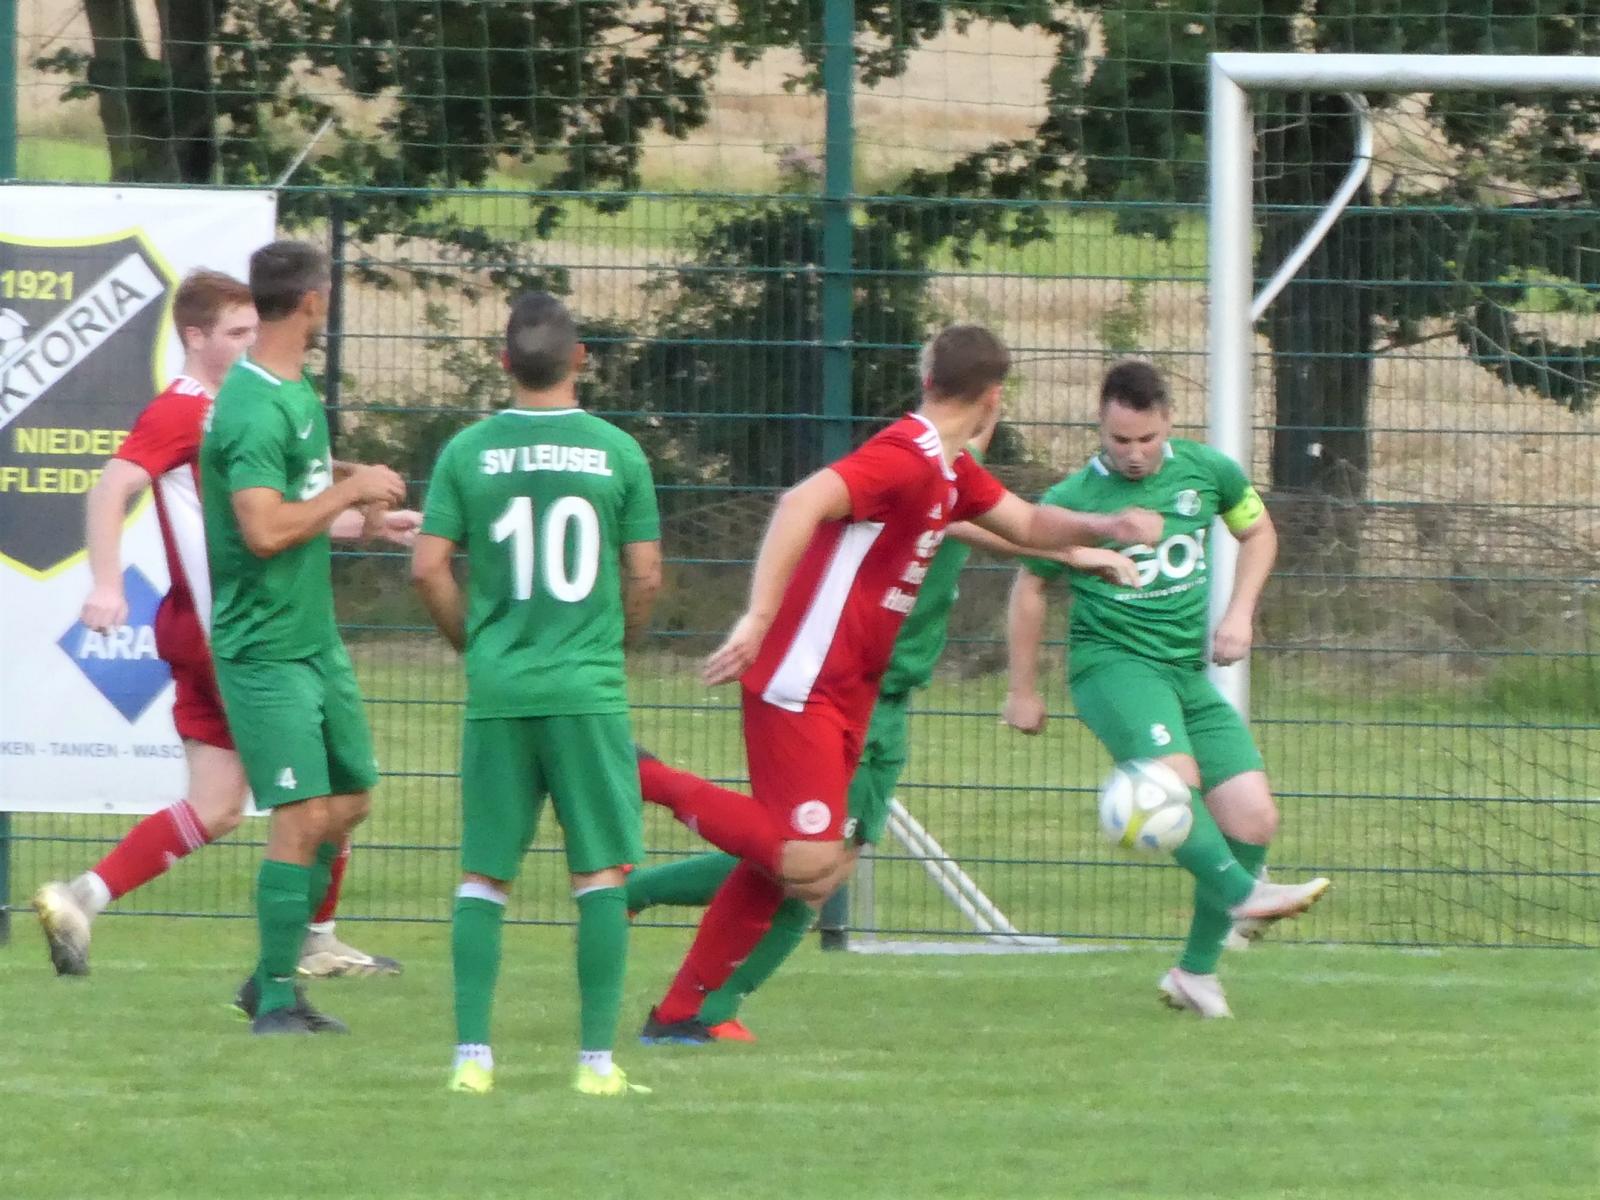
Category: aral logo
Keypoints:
(80, 339)
(123, 664)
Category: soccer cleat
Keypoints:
(1268, 902)
(66, 928)
(690, 1032)
(1200, 994)
(1237, 939)
(323, 956)
(247, 1003)
(470, 1076)
(731, 1030)
(589, 1082)
(291, 1020)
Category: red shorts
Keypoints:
(801, 765)
(197, 707)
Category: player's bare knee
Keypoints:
(346, 812)
(472, 879)
(219, 817)
(1188, 770)
(590, 881)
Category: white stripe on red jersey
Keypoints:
(859, 576)
(165, 443)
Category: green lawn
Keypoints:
(1349, 1073)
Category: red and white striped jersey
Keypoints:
(858, 578)
(165, 442)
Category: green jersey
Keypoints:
(266, 432)
(1167, 615)
(922, 637)
(542, 501)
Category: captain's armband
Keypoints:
(1246, 513)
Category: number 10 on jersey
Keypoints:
(516, 524)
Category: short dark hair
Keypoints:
(282, 272)
(202, 296)
(1135, 385)
(963, 362)
(540, 338)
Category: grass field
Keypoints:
(1370, 1074)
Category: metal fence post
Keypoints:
(838, 286)
(8, 170)
(331, 392)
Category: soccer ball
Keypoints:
(1145, 806)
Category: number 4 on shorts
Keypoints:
(286, 778)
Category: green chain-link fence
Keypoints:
(759, 216)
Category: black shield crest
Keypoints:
(81, 327)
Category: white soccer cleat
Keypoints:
(1200, 994)
(1268, 902)
(324, 956)
(1243, 934)
(66, 927)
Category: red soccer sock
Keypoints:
(330, 898)
(150, 847)
(729, 820)
(738, 917)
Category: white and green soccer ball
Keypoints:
(1144, 805)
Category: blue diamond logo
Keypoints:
(123, 665)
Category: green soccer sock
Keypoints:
(321, 875)
(690, 881)
(790, 925)
(602, 960)
(281, 911)
(1206, 856)
(475, 957)
(1209, 927)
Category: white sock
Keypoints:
(91, 892)
(600, 1060)
(320, 927)
(474, 1052)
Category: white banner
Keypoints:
(87, 277)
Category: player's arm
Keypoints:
(397, 526)
(822, 497)
(1025, 614)
(1258, 550)
(980, 538)
(271, 524)
(435, 581)
(641, 582)
(107, 509)
(1048, 527)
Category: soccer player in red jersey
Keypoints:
(836, 575)
(217, 323)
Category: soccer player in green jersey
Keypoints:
(1137, 660)
(917, 647)
(551, 505)
(268, 498)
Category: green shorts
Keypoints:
(585, 764)
(1139, 708)
(883, 758)
(300, 727)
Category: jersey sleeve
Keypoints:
(1058, 496)
(253, 450)
(1238, 503)
(444, 515)
(977, 491)
(166, 435)
(876, 474)
(641, 522)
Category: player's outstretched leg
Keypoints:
(689, 882)
(475, 957)
(324, 956)
(66, 910)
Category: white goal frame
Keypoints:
(1230, 143)
(1230, 397)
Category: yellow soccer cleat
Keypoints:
(472, 1077)
(589, 1082)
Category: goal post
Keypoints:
(1230, 143)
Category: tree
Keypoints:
(1126, 122)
